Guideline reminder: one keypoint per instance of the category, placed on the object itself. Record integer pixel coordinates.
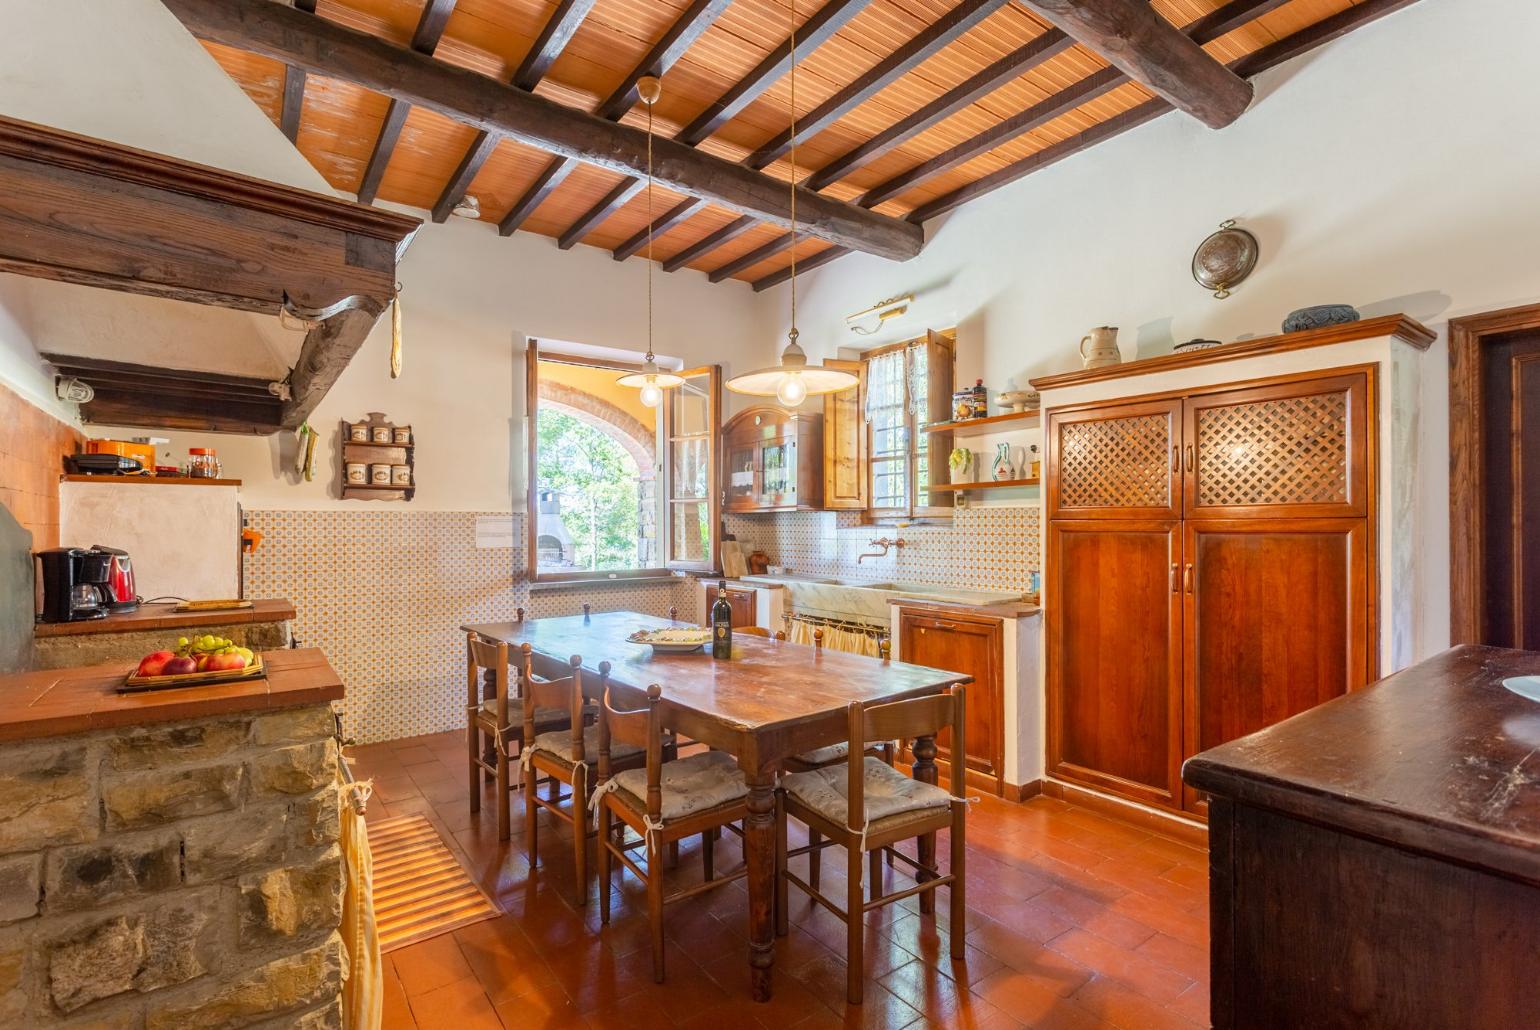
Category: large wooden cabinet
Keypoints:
(1210, 571)
(975, 646)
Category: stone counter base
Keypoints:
(176, 875)
(67, 652)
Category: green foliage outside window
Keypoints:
(596, 480)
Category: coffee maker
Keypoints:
(75, 584)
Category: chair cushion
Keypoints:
(690, 785)
(829, 755)
(559, 743)
(886, 792)
(543, 716)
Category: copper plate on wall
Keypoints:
(1225, 259)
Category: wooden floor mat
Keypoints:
(420, 888)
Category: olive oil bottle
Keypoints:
(722, 624)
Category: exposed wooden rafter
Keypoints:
(430, 29)
(679, 38)
(899, 63)
(564, 21)
(812, 34)
(1138, 41)
(731, 231)
(293, 102)
(807, 264)
(128, 394)
(323, 47)
(752, 258)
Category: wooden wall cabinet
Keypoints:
(1210, 572)
(976, 646)
(774, 461)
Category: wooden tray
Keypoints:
(192, 679)
(222, 605)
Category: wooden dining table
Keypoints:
(771, 700)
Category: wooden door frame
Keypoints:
(1467, 472)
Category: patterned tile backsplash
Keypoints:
(986, 548)
(384, 593)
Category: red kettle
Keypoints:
(121, 596)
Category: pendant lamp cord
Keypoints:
(649, 232)
(793, 334)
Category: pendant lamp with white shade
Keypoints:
(651, 380)
(793, 380)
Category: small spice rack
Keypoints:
(354, 452)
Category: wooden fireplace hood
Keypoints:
(86, 211)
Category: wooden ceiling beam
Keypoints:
(681, 35)
(1321, 32)
(293, 102)
(660, 225)
(558, 31)
(731, 231)
(931, 40)
(323, 47)
(807, 264)
(1134, 38)
(750, 259)
(1205, 30)
(430, 29)
(812, 34)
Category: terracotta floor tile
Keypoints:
(430, 964)
(1075, 922)
(456, 1006)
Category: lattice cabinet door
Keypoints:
(1114, 461)
(1297, 448)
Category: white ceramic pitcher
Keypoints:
(1102, 349)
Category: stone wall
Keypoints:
(71, 650)
(177, 875)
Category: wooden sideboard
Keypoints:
(1375, 862)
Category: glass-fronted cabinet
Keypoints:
(774, 461)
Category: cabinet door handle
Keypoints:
(1190, 461)
(1176, 458)
(1187, 578)
(1173, 577)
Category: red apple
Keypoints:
(221, 662)
(154, 664)
(202, 662)
(179, 666)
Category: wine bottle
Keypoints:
(722, 624)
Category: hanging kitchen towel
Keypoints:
(363, 997)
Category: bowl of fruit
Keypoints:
(196, 660)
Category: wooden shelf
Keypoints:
(992, 424)
(989, 484)
(370, 453)
(371, 492)
(151, 480)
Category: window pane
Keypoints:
(590, 498)
(691, 467)
(692, 530)
(692, 410)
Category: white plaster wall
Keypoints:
(469, 299)
(1382, 170)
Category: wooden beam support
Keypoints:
(464, 174)
(753, 257)
(1323, 31)
(926, 44)
(807, 264)
(552, 176)
(810, 36)
(324, 47)
(681, 35)
(1012, 66)
(430, 29)
(293, 102)
(1139, 42)
(327, 349)
(660, 225)
(559, 29)
(731, 231)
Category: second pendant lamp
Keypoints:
(651, 380)
(793, 380)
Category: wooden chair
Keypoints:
(664, 802)
(564, 756)
(867, 807)
(494, 722)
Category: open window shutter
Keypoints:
(844, 441)
(693, 425)
(933, 449)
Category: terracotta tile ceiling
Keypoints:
(968, 151)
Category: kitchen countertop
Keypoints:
(160, 616)
(59, 701)
(1439, 758)
(1003, 610)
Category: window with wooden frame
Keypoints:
(908, 388)
(617, 490)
